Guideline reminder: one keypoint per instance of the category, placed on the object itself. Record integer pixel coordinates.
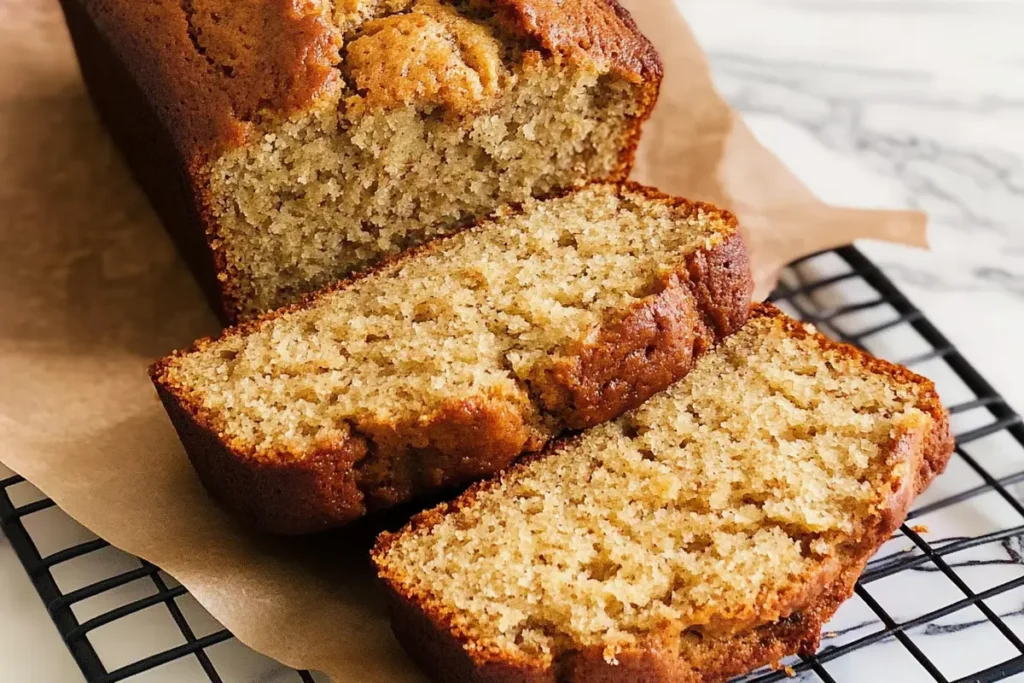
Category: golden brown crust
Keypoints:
(151, 143)
(276, 495)
(716, 655)
(655, 343)
(391, 463)
(430, 55)
(211, 66)
(689, 658)
(601, 30)
(205, 70)
(339, 483)
(371, 470)
(208, 66)
(462, 442)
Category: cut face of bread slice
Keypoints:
(710, 531)
(446, 364)
(353, 182)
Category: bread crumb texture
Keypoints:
(437, 114)
(466, 320)
(711, 508)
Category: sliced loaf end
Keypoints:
(710, 531)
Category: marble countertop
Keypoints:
(874, 103)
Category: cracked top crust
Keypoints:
(430, 55)
(214, 68)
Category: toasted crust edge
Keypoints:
(171, 178)
(655, 343)
(427, 634)
(433, 648)
(310, 492)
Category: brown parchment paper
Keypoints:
(91, 291)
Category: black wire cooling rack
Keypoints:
(847, 297)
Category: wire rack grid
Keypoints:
(847, 297)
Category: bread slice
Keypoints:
(444, 365)
(708, 532)
(287, 144)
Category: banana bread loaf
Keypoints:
(287, 143)
(445, 364)
(708, 532)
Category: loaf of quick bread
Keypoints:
(288, 144)
(445, 364)
(708, 532)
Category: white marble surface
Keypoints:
(874, 103)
